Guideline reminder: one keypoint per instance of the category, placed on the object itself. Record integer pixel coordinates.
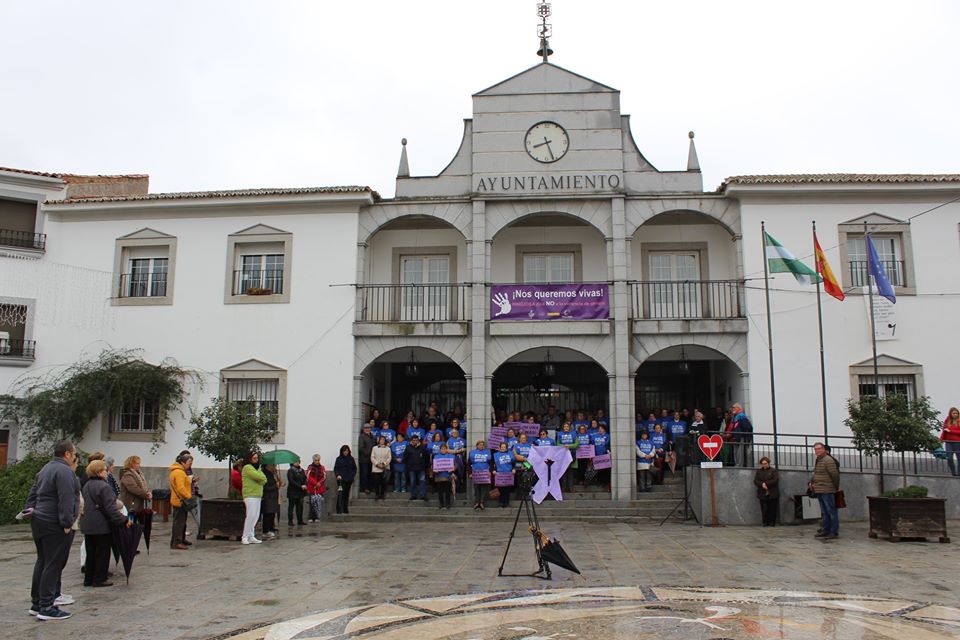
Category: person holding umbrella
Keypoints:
(99, 515)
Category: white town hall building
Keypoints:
(303, 297)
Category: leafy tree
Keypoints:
(61, 405)
(893, 423)
(226, 429)
(15, 482)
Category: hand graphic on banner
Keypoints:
(502, 301)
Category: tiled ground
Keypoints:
(220, 587)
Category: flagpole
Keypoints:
(823, 371)
(773, 385)
(873, 333)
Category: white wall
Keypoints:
(504, 250)
(926, 323)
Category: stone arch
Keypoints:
(722, 211)
(501, 215)
(733, 346)
(368, 350)
(597, 348)
(458, 215)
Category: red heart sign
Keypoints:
(710, 445)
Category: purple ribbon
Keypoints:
(549, 463)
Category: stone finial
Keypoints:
(404, 170)
(693, 163)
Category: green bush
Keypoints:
(15, 482)
(913, 491)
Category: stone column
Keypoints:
(621, 390)
(478, 384)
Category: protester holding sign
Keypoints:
(601, 443)
(645, 455)
(511, 438)
(659, 440)
(504, 473)
(443, 466)
(397, 448)
(479, 460)
(584, 453)
(567, 438)
(521, 450)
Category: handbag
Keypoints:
(840, 499)
(494, 493)
(189, 504)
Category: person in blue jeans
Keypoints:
(824, 485)
(416, 458)
(397, 448)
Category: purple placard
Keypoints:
(481, 477)
(602, 462)
(493, 442)
(516, 426)
(585, 451)
(499, 431)
(532, 430)
(583, 301)
(442, 464)
(504, 480)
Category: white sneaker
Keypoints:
(244, 540)
(63, 600)
(270, 535)
(255, 540)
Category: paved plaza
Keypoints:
(380, 580)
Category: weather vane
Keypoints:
(544, 31)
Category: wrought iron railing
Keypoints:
(687, 299)
(23, 239)
(249, 282)
(10, 348)
(860, 276)
(142, 285)
(413, 302)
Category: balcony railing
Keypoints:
(142, 285)
(860, 276)
(23, 239)
(688, 299)
(414, 302)
(248, 282)
(10, 348)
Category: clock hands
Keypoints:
(547, 143)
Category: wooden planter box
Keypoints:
(220, 518)
(898, 518)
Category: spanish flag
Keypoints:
(830, 283)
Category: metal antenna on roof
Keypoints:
(544, 31)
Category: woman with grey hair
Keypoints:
(110, 479)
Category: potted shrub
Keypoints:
(895, 423)
(226, 430)
(259, 291)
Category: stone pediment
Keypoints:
(874, 218)
(546, 78)
(259, 230)
(146, 234)
(252, 365)
(884, 360)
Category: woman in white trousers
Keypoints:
(253, 481)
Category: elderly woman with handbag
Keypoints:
(380, 459)
(181, 500)
(767, 481)
(99, 517)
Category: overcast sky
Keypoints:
(242, 94)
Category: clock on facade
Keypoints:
(546, 142)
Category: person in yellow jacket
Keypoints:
(180, 490)
(253, 481)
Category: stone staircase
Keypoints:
(586, 504)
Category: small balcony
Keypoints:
(705, 305)
(23, 239)
(860, 272)
(13, 351)
(142, 285)
(250, 282)
(412, 309)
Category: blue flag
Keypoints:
(875, 268)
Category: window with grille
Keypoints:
(147, 277)
(253, 395)
(262, 273)
(889, 252)
(889, 385)
(136, 416)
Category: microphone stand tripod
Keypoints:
(533, 525)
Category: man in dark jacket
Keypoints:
(296, 490)
(54, 500)
(416, 459)
(741, 436)
(364, 449)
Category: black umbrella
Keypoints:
(144, 517)
(553, 553)
(128, 539)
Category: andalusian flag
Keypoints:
(830, 284)
(780, 260)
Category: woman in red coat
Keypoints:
(951, 439)
(316, 487)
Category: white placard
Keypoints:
(884, 314)
(715, 464)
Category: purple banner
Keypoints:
(493, 442)
(583, 301)
(499, 431)
(585, 451)
(532, 430)
(481, 477)
(602, 462)
(443, 464)
(504, 479)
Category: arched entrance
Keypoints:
(535, 379)
(687, 377)
(412, 378)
